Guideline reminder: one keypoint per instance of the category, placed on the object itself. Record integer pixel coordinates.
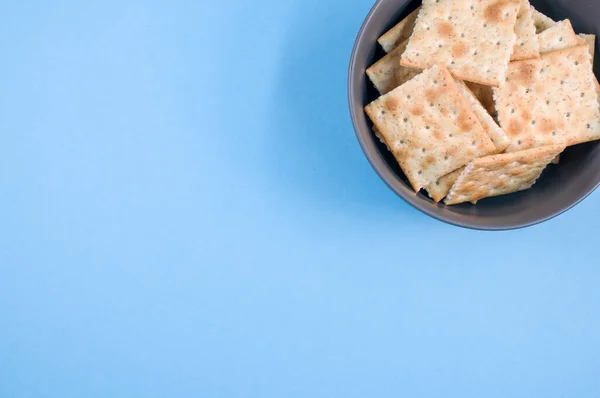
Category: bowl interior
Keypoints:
(560, 187)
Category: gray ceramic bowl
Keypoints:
(560, 187)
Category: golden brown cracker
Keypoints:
(473, 38)
(429, 127)
(552, 100)
(501, 174)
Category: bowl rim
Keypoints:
(408, 195)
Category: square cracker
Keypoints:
(497, 135)
(554, 39)
(541, 21)
(473, 38)
(387, 73)
(501, 174)
(551, 100)
(558, 37)
(429, 127)
(439, 189)
(402, 31)
(561, 36)
(526, 46)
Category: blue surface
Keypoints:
(185, 212)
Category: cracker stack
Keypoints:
(454, 65)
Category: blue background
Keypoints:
(185, 212)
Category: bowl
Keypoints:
(560, 187)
